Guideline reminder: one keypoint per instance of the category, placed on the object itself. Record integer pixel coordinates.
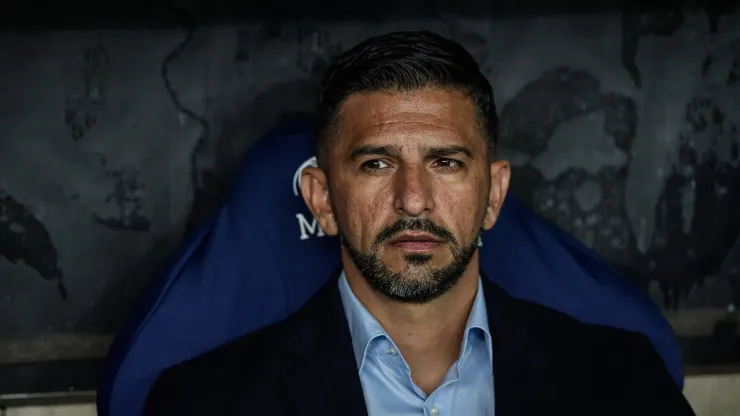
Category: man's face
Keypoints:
(408, 190)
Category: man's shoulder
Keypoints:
(252, 365)
(248, 366)
(252, 350)
(570, 329)
(225, 365)
(262, 350)
(216, 381)
(607, 345)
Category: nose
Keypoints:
(413, 191)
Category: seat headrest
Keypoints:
(268, 189)
(262, 255)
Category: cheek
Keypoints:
(464, 210)
(362, 212)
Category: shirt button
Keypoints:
(392, 351)
(434, 410)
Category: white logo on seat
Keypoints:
(307, 228)
(297, 175)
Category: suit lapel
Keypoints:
(528, 372)
(527, 375)
(326, 380)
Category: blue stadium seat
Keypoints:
(261, 256)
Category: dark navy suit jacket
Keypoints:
(261, 256)
(545, 363)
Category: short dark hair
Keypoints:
(403, 61)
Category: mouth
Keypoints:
(415, 242)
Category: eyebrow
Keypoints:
(369, 150)
(446, 151)
(395, 151)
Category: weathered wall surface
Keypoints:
(623, 131)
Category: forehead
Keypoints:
(427, 115)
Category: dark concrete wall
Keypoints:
(622, 130)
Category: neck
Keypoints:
(429, 335)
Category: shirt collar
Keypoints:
(362, 325)
(364, 328)
(478, 321)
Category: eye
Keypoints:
(374, 165)
(449, 164)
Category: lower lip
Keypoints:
(416, 246)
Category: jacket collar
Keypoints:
(326, 381)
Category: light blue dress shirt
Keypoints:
(466, 389)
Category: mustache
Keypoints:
(414, 224)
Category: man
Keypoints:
(408, 177)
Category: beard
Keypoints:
(419, 282)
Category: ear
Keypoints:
(315, 192)
(500, 176)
